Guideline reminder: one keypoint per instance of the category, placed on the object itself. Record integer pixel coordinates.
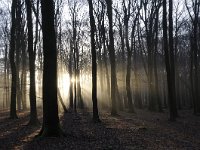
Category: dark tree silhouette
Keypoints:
(94, 64)
(13, 113)
(70, 69)
(112, 58)
(168, 63)
(33, 113)
(51, 125)
(171, 50)
(127, 15)
(18, 47)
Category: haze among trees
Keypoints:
(120, 73)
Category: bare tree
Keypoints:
(51, 125)
(112, 58)
(32, 53)
(195, 10)
(169, 59)
(94, 64)
(13, 113)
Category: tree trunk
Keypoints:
(94, 64)
(79, 95)
(51, 125)
(171, 49)
(19, 31)
(33, 109)
(168, 66)
(70, 77)
(112, 58)
(13, 114)
(138, 100)
(5, 76)
(128, 86)
(129, 54)
(105, 61)
(157, 96)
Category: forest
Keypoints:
(100, 74)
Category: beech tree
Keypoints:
(94, 64)
(169, 60)
(32, 53)
(51, 125)
(112, 58)
(127, 15)
(13, 113)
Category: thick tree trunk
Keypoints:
(33, 109)
(112, 58)
(13, 114)
(171, 49)
(94, 64)
(24, 73)
(51, 125)
(19, 32)
(171, 96)
(74, 36)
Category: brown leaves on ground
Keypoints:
(143, 130)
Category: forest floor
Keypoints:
(143, 130)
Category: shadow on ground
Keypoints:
(143, 130)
